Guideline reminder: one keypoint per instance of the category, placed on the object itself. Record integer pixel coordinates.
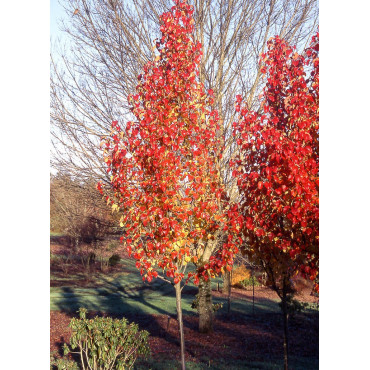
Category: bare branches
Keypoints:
(77, 208)
(110, 42)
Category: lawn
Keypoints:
(126, 293)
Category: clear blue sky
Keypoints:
(56, 13)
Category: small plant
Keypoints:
(65, 364)
(247, 283)
(294, 306)
(313, 306)
(61, 363)
(114, 260)
(106, 343)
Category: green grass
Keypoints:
(128, 294)
(56, 233)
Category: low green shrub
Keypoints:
(64, 364)
(294, 306)
(247, 283)
(106, 343)
(114, 259)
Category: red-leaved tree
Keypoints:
(165, 176)
(277, 170)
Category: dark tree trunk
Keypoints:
(253, 290)
(226, 289)
(205, 309)
(181, 326)
(285, 323)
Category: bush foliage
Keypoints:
(239, 274)
(114, 260)
(106, 343)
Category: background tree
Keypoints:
(77, 210)
(277, 169)
(110, 40)
(165, 170)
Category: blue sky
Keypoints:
(56, 13)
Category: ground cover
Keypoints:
(240, 340)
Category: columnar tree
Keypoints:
(164, 166)
(277, 170)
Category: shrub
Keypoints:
(106, 343)
(61, 363)
(114, 259)
(239, 274)
(65, 364)
(294, 306)
(252, 280)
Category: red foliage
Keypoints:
(277, 170)
(164, 165)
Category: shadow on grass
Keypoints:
(118, 299)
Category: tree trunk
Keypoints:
(226, 289)
(285, 322)
(253, 290)
(181, 326)
(227, 282)
(205, 309)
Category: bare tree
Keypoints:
(77, 210)
(111, 40)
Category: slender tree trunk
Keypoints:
(253, 290)
(205, 306)
(285, 322)
(181, 326)
(227, 288)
